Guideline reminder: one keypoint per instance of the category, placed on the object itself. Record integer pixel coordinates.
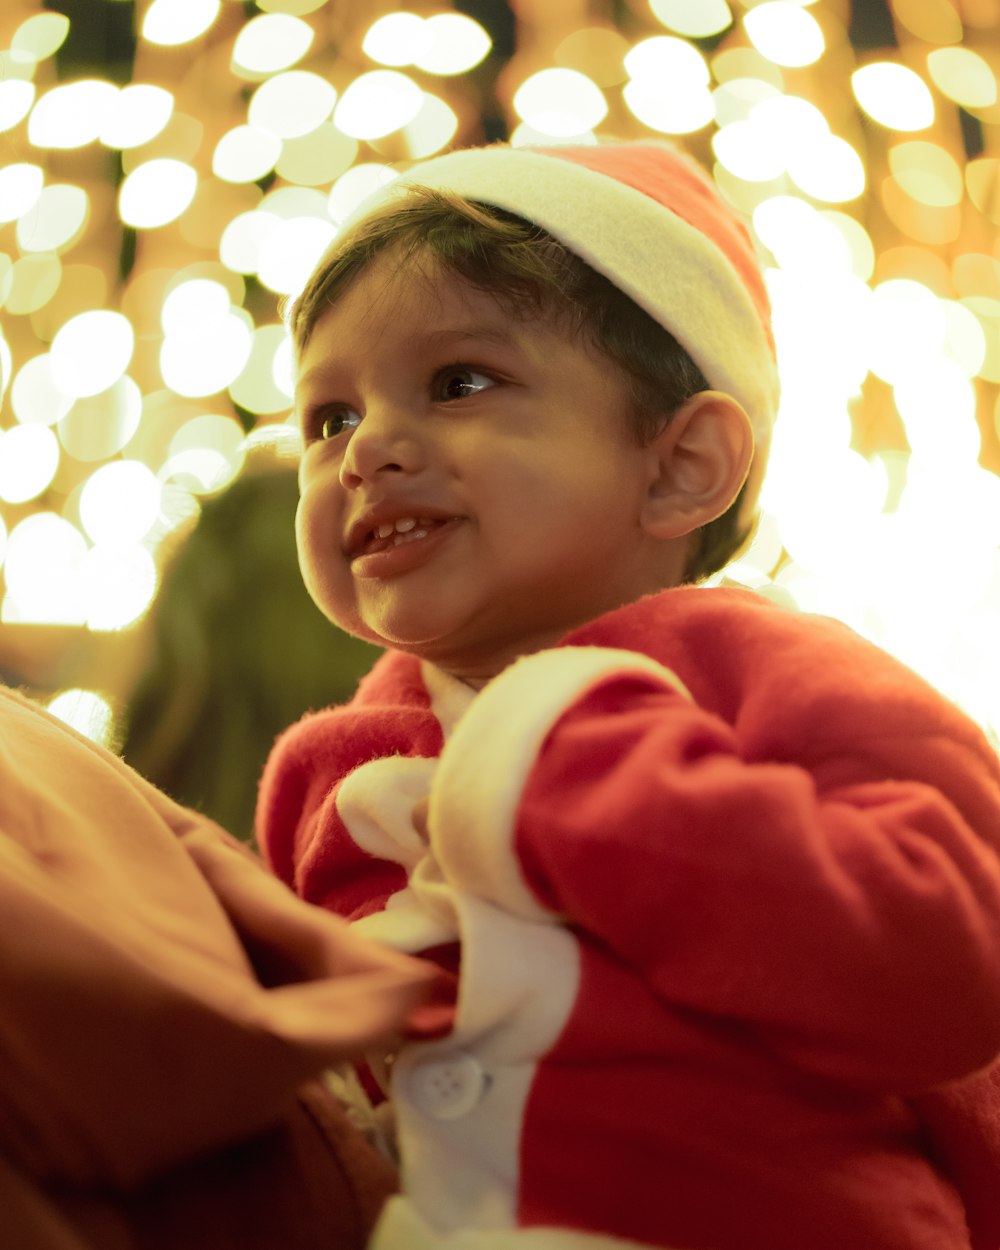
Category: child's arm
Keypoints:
(855, 923)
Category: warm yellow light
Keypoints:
(668, 90)
(290, 252)
(56, 220)
(318, 157)
(933, 21)
(119, 583)
(119, 502)
(29, 457)
(748, 151)
(830, 170)
(964, 339)
(71, 115)
(799, 237)
(396, 39)
(457, 44)
(245, 154)
(137, 114)
(34, 396)
(172, 22)
(355, 185)
(99, 426)
(377, 103)
(205, 454)
(859, 243)
(432, 128)
(698, 19)
(906, 328)
(242, 240)
(927, 173)
(297, 8)
(20, 186)
(41, 35)
(938, 406)
(736, 99)
(257, 388)
(292, 104)
(156, 193)
(16, 99)
(205, 362)
(963, 76)
(560, 102)
(42, 571)
(91, 352)
(893, 95)
(86, 711)
(194, 307)
(664, 61)
(271, 42)
(785, 33)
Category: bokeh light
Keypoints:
(158, 213)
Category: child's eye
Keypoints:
(457, 383)
(330, 424)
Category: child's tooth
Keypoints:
(384, 531)
(406, 524)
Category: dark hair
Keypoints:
(529, 273)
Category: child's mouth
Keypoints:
(396, 534)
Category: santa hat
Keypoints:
(647, 217)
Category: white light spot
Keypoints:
(29, 457)
(56, 220)
(560, 102)
(292, 104)
(377, 103)
(353, 187)
(172, 22)
(91, 352)
(20, 186)
(16, 99)
(397, 39)
(208, 363)
(245, 154)
(34, 396)
(137, 115)
(785, 33)
(894, 96)
(457, 44)
(71, 115)
(86, 711)
(157, 193)
(119, 583)
(272, 42)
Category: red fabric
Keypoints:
(676, 182)
(787, 899)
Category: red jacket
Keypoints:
(726, 883)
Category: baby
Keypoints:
(718, 881)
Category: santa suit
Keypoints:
(725, 883)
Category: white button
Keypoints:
(447, 1089)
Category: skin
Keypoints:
(420, 397)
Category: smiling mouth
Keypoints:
(396, 534)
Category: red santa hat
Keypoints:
(650, 219)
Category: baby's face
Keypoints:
(470, 486)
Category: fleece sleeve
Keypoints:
(854, 928)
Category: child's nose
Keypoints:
(386, 441)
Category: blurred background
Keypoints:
(171, 169)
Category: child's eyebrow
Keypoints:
(423, 340)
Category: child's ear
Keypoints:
(698, 463)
